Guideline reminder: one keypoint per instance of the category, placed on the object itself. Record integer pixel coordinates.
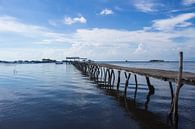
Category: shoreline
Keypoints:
(64, 61)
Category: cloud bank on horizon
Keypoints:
(99, 30)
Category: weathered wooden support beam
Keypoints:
(126, 82)
(90, 71)
(136, 86)
(178, 87)
(101, 73)
(87, 70)
(109, 78)
(105, 76)
(97, 74)
(172, 94)
(94, 72)
(119, 79)
(150, 86)
(113, 77)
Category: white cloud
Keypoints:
(188, 2)
(96, 43)
(173, 22)
(40, 34)
(145, 5)
(53, 22)
(118, 8)
(70, 21)
(106, 12)
(11, 24)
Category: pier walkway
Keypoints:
(166, 75)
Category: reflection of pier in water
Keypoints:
(146, 119)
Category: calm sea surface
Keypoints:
(50, 96)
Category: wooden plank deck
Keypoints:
(166, 75)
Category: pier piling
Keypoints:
(178, 87)
(136, 86)
(118, 81)
(126, 82)
(150, 87)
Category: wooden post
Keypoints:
(90, 70)
(109, 78)
(136, 85)
(113, 77)
(84, 66)
(98, 73)
(126, 83)
(178, 86)
(118, 81)
(94, 72)
(101, 74)
(172, 94)
(150, 87)
(105, 77)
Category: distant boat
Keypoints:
(58, 62)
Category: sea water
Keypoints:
(50, 96)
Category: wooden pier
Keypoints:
(108, 74)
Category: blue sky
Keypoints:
(97, 29)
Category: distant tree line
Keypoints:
(31, 61)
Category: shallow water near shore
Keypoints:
(49, 96)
